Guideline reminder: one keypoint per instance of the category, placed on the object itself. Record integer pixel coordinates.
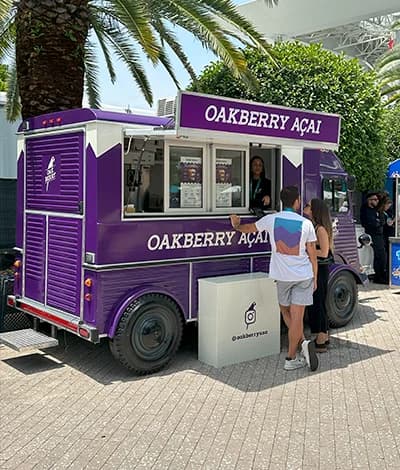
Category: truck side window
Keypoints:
(185, 177)
(229, 178)
(143, 176)
(334, 193)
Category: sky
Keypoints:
(124, 92)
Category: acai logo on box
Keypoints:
(250, 318)
(250, 315)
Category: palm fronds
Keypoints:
(132, 31)
(388, 70)
(91, 76)
(13, 106)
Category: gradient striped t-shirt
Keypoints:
(288, 234)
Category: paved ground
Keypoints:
(75, 407)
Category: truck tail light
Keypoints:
(84, 332)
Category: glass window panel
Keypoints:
(334, 193)
(185, 177)
(143, 176)
(340, 195)
(327, 193)
(229, 178)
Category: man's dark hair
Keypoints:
(289, 195)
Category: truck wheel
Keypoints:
(148, 334)
(342, 299)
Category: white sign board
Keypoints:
(239, 319)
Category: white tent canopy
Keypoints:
(359, 28)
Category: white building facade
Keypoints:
(8, 143)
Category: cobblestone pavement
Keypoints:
(74, 407)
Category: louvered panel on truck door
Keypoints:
(64, 263)
(54, 172)
(34, 256)
(54, 188)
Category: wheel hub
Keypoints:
(152, 335)
(342, 297)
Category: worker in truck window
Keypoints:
(294, 267)
(260, 186)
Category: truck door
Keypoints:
(53, 220)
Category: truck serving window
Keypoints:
(165, 176)
(334, 193)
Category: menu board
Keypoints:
(191, 173)
(223, 182)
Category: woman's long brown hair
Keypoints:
(321, 216)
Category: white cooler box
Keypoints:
(239, 319)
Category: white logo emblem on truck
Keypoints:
(50, 172)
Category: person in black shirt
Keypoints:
(317, 312)
(260, 186)
(385, 209)
(372, 221)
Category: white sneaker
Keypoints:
(296, 363)
(310, 355)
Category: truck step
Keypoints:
(26, 340)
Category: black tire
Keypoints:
(148, 335)
(342, 299)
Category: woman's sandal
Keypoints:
(327, 342)
(320, 347)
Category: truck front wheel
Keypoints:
(148, 334)
(342, 299)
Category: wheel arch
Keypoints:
(335, 269)
(134, 295)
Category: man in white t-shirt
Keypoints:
(294, 267)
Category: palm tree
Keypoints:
(388, 69)
(4, 7)
(56, 54)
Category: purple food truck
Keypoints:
(119, 215)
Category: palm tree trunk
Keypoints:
(50, 39)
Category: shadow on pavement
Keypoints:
(33, 363)
(96, 361)
(364, 315)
